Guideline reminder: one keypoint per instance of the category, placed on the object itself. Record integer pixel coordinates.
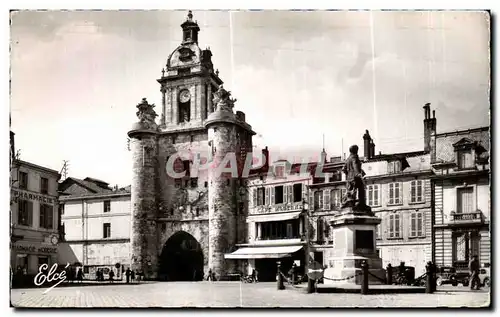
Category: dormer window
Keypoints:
(279, 171)
(465, 159)
(394, 167)
(466, 151)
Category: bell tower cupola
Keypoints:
(190, 30)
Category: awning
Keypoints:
(263, 252)
(274, 217)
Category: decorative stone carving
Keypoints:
(146, 113)
(223, 101)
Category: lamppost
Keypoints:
(305, 211)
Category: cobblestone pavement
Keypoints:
(232, 294)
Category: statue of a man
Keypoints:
(354, 181)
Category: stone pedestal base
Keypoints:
(353, 243)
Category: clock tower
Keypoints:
(183, 225)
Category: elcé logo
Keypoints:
(50, 276)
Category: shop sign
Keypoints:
(16, 194)
(33, 249)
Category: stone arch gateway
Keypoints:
(181, 259)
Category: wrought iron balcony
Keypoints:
(472, 217)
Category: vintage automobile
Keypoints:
(449, 275)
(484, 276)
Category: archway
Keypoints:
(181, 259)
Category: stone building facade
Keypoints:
(182, 225)
(462, 204)
(95, 222)
(34, 217)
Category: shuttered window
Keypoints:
(318, 200)
(268, 196)
(395, 194)
(335, 199)
(290, 193)
(417, 191)
(373, 195)
(394, 226)
(417, 224)
(326, 199)
(465, 200)
(465, 159)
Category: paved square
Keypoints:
(232, 294)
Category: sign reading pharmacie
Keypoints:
(32, 248)
(21, 194)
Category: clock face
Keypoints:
(184, 96)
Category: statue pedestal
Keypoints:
(354, 233)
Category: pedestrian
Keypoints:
(255, 275)
(474, 273)
(111, 276)
(292, 273)
(127, 274)
(209, 277)
(79, 275)
(132, 276)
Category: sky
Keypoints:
(76, 77)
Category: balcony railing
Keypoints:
(468, 217)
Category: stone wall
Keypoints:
(144, 208)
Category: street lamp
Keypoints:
(305, 211)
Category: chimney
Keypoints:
(372, 149)
(429, 127)
(366, 144)
(265, 167)
(323, 158)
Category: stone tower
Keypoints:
(227, 133)
(144, 147)
(185, 213)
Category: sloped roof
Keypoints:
(90, 187)
(446, 142)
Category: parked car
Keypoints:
(484, 276)
(449, 275)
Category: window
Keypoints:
(394, 226)
(465, 200)
(106, 228)
(297, 193)
(279, 171)
(107, 206)
(194, 182)
(417, 224)
(43, 260)
(23, 180)
(395, 194)
(46, 217)
(336, 198)
(394, 167)
(178, 183)
(465, 159)
(373, 195)
(319, 229)
(326, 199)
(206, 184)
(278, 195)
(417, 191)
(44, 185)
(318, 200)
(25, 213)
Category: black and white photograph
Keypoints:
(244, 158)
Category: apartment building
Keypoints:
(96, 224)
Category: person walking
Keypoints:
(79, 275)
(127, 274)
(132, 276)
(474, 273)
(209, 277)
(111, 275)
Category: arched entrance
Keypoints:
(181, 259)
